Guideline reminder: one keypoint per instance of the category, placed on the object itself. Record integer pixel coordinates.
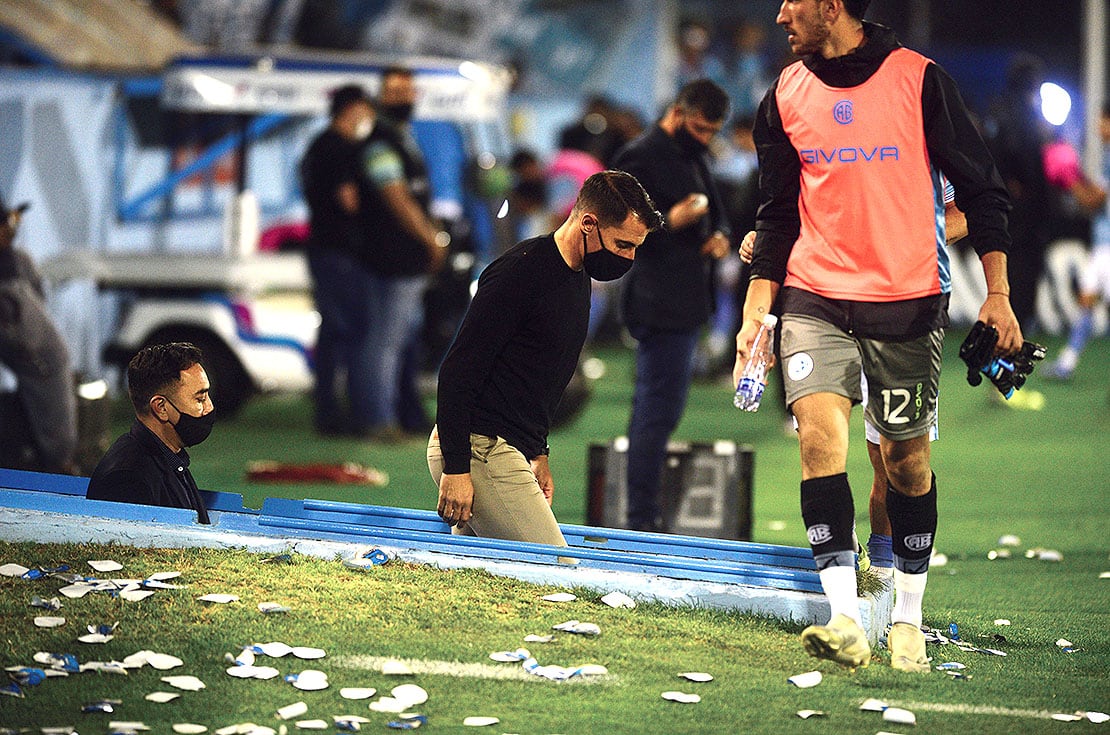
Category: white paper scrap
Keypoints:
(560, 597)
(1001, 621)
(357, 692)
(312, 724)
(189, 728)
(105, 565)
(219, 598)
(272, 607)
(1064, 717)
(873, 705)
(163, 661)
(410, 693)
(161, 697)
(519, 654)
(805, 714)
(480, 721)
(1096, 717)
(700, 676)
(188, 683)
(134, 595)
(311, 680)
(276, 649)
(305, 652)
(163, 576)
(125, 726)
(95, 638)
(77, 590)
(899, 716)
(290, 711)
(48, 621)
(391, 705)
(806, 680)
(681, 697)
(618, 599)
(13, 570)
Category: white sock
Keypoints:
(1068, 359)
(909, 591)
(839, 584)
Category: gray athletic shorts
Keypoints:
(903, 376)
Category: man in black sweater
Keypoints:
(173, 410)
(514, 353)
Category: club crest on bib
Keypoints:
(799, 366)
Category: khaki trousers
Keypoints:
(508, 502)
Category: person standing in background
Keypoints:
(1016, 132)
(33, 349)
(406, 246)
(668, 294)
(336, 190)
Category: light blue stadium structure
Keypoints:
(762, 579)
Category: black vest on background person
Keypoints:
(392, 250)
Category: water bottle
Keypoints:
(749, 390)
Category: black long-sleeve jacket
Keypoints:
(953, 143)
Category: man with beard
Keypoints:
(852, 142)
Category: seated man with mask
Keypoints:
(173, 410)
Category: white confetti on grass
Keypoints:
(480, 721)
(48, 621)
(162, 697)
(681, 697)
(456, 669)
(105, 565)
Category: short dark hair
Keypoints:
(155, 368)
(705, 96)
(346, 96)
(613, 195)
(856, 8)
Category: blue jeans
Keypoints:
(341, 289)
(664, 365)
(396, 318)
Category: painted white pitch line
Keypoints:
(458, 669)
(974, 709)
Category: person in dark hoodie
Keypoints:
(850, 234)
(173, 410)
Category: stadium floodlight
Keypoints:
(1055, 103)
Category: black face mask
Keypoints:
(604, 264)
(689, 143)
(401, 112)
(193, 429)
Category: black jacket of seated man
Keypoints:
(149, 465)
